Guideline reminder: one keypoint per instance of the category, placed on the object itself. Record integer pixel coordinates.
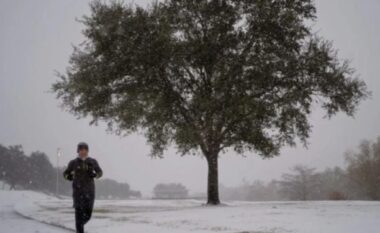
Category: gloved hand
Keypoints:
(90, 170)
(70, 176)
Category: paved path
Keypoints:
(11, 222)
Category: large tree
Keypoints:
(207, 75)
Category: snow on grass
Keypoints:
(176, 216)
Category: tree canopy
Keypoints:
(208, 75)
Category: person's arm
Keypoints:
(68, 174)
(96, 171)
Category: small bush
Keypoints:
(336, 196)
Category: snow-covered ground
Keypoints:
(138, 216)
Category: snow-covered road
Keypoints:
(12, 222)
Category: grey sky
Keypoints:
(36, 38)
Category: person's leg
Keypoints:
(88, 210)
(79, 225)
(87, 215)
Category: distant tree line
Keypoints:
(170, 191)
(35, 172)
(110, 189)
(360, 180)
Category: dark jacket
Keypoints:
(82, 174)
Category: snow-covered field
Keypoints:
(138, 216)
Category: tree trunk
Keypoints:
(213, 184)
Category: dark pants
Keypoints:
(83, 212)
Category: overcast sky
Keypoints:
(36, 38)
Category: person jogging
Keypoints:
(82, 171)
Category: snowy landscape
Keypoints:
(26, 211)
(209, 116)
